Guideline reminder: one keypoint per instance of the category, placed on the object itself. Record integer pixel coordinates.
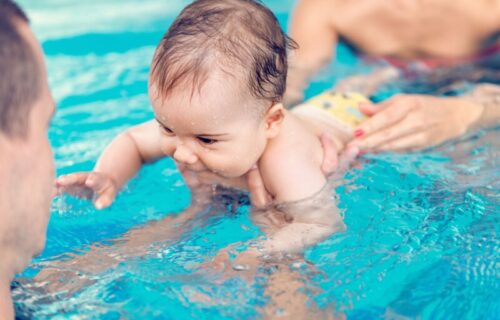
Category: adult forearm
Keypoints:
(487, 96)
(297, 81)
(491, 113)
(296, 237)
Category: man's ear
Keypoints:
(273, 120)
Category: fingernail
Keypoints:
(98, 205)
(358, 133)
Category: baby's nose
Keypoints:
(184, 155)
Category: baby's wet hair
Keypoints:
(241, 38)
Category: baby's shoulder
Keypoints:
(291, 165)
(294, 144)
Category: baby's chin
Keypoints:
(232, 174)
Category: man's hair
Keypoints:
(19, 72)
(238, 37)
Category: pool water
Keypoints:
(422, 228)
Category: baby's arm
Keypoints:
(295, 179)
(119, 162)
(291, 173)
(129, 151)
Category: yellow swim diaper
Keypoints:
(341, 107)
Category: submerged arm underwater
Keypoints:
(78, 270)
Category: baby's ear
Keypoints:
(273, 120)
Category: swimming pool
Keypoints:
(421, 238)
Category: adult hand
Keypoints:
(89, 185)
(413, 122)
(332, 161)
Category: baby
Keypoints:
(216, 85)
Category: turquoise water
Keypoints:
(421, 239)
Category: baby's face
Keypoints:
(212, 129)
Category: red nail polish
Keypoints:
(358, 133)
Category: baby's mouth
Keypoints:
(197, 167)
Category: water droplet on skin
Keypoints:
(241, 267)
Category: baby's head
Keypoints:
(217, 82)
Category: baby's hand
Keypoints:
(90, 185)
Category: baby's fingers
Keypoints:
(259, 197)
(105, 199)
(104, 188)
(73, 184)
(72, 179)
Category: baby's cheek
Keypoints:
(214, 161)
(219, 163)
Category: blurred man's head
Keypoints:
(26, 167)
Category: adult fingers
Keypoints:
(369, 108)
(259, 197)
(406, 126)
(330, 154)
(411, 142)
(392, 112)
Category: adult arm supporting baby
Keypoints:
(316, 37)
(78, 270)
(311, 221)
(488, 96)
(305, 211)
(119, 162)
(289, 229)
(414, 122)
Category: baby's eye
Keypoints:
(206, 140)
(166, 130)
